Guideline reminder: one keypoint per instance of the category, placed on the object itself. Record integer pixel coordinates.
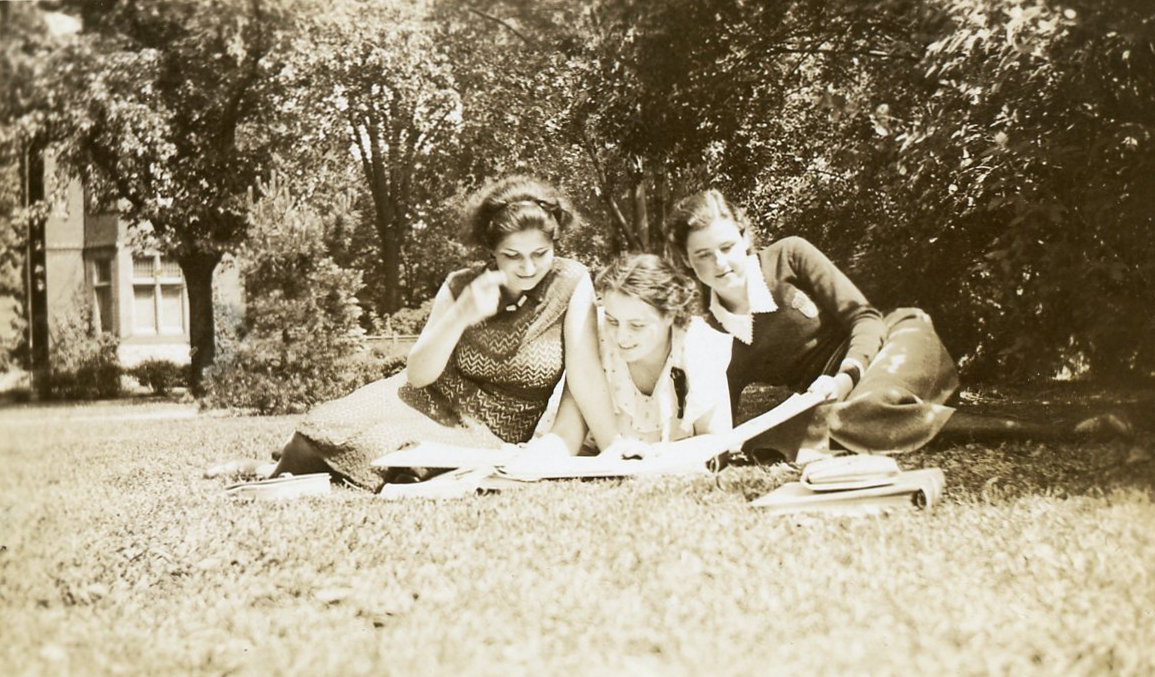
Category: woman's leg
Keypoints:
(299, 457)
(967, 427)
(899, 403)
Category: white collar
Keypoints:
(661, 403)
(757, 295)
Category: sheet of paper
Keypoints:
(692, 456)
(788, 409)
(438, 455)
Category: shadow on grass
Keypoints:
(988, 468)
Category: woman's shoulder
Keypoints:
(787, 246)
(565, 277)
(705, 359)
(703, 339)
(569, 268)
(703, 348)
(785, 257)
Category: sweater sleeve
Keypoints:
(838, 296)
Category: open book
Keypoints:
(684, 456)
(496, 469)
(919, 488)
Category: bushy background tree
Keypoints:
(988, 160)
(300, 328)
(165, 111)
(26, 44)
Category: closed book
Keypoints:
(286, 486)
(913, 488)
(456, 484)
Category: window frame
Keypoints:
(156, 283)
(107, 286)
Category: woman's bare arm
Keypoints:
(585, 378)
(448, 318)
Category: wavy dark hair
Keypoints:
(696, 212)
(513, 204)
(654, 280)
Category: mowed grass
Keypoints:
(116, 557)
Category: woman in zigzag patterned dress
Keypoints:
(498, 338)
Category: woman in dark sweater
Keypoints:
(798, 321)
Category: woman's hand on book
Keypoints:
(626, 447)
(549, 444)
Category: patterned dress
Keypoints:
(494, 388)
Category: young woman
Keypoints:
(666, 368)
(498, 338)
(798, 321)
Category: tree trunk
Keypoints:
(658, 225)
(391, 259)
(33, 190)
(198, 275)
(641, 212)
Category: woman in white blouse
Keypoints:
(666, 368)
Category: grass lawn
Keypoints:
(117, 558)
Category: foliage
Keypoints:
(164, 110)
(84, 363)
(1038, 142)
(988, 160)
(368, 366)
(160, 375)
(13, 246)
(407, 320)
(25, 42)
(300, 325)
(379, 82)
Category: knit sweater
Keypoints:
(822, 325)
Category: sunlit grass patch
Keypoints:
(118, 558)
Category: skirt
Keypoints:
(351, 432)
(897, 405)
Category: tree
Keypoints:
(990, 161)
(25, 42)
(163, 110)
(1031, 153)
(380, 83)
(295, 345)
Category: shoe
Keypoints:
(1106, 426)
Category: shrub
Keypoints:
(160, 375)
(370, 366)
(83, 361)
(407, 320)
(300, 333)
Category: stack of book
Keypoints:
(856, 484)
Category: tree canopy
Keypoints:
(164, 112)
(988, 160)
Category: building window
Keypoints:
(158, 296)
(102, 287)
